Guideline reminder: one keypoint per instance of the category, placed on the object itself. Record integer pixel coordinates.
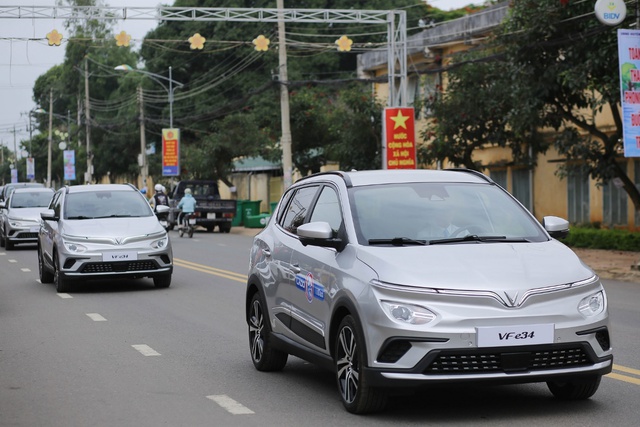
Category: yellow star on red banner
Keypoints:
(197, 41)
(123, 39)
(261, 43)
(54, 37)
(400, 120)
(344, 44)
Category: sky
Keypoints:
(22, 60)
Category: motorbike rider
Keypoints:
(159, 198)
(187, 204)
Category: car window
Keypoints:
(30, 200)
(55, 203)
(298, 208)
(327, 209)
(425, 210)
(105, 204)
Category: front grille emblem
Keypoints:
(512, 299)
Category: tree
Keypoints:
(551, 66)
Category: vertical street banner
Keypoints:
(31, 168)
(629, 60)
(170, 152)
(69, 164)
(399, 138)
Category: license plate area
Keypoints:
(192, 221)
(119, 256)
(518, 335)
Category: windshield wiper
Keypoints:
(476, 238)
(397, 241)
(80, 217)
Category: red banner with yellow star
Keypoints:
(170, 152)
(399, 138)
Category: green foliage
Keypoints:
(599, 238)
(549, 67)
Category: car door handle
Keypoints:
(296, 268)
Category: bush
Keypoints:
(601, 238)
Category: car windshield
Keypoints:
(438, 213)
(31, 200)
(106, 204)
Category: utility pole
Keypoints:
(285, 139)
(88, 175)
(50, 138)
(143, 143)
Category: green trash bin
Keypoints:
(238, 219)
(250, 208)
(273, 206)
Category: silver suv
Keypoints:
(20, 215)
(400, 279)
(101, 232)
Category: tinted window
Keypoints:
(298, 208)
(105, 204)
(30, 200)
(327, 209)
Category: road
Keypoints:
(126, 354)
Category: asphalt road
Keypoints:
(126, 354)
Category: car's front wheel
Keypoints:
(61, 283)
(263, 355)
(45, 275)
(578, 389)
(350, 356)
(162, 281)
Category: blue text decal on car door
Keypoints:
(309, 287)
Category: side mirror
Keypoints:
(3, 205)
(319, 234)
(557, 227)
(48, 215)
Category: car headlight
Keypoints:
(592, 305)
(160, 243)
(407, 313)
(75, 247)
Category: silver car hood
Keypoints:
(112, 227)
(31, 214)
(477, 266)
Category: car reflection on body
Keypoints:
(102, 231)
(20, 220)
(401, 279)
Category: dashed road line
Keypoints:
(96, 317)
(230, 405)
(64, 296)
(26, 270)
(145, 350)
(12, 260)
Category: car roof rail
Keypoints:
(473, 172)
(341, 174)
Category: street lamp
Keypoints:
(153, 76)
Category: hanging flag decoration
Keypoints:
(54, 37)
(123, 39)
(344, 44)
(261, 43)
(197, 41)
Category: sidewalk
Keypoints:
(616, 265)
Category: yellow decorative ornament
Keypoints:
(123, 39)
(344, 44)
(197, 41)
(261, 43)
(54, 37)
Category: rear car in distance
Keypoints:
(395, 280)
(20, 215)
(105, 231)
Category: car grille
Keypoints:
(26, 235)
(506, 360)
(118, 267)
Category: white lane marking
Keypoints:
(65, 296)
(145, 350)
(13, 260)
(96, 317)
(3, 253)
(230, 405)
(26, 270)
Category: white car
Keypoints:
(394, 280)
(102, 231)
(20, 218)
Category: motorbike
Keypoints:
(162, 213)
(186, 224)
